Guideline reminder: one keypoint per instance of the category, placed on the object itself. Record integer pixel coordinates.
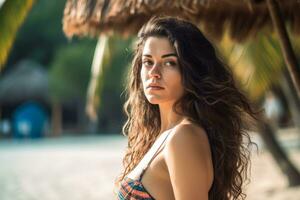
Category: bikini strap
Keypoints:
(157, 151)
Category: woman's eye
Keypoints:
(170, 63)
(147, 63)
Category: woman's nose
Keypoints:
(155, 71)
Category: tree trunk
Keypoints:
(268, 135)
(291, 96)
(56, 120)
(286, 47)
(1, 134)
(96, 72)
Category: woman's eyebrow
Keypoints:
(170, 54)
(163, 56)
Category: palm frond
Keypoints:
(257, 63)
(12, 15)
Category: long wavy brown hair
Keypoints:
(211, 100)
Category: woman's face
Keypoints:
(160, 73)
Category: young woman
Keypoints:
(186, 119)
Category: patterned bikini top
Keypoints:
(132, 189)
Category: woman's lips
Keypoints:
(155, 88)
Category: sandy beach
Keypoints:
(84, 168)
(267, 180)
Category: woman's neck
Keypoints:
(168, 117)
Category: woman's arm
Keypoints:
(188, 159)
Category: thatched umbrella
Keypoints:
(242, 18)
(91, 17)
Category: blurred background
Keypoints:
(63, 66)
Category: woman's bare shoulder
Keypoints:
(191, 139)
(189, 133)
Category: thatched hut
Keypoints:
(28, 81)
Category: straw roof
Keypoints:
(27, 81)
(242, 18)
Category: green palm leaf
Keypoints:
(12, 15)
(257, 63)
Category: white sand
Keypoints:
(267, 180)
(83, 168)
